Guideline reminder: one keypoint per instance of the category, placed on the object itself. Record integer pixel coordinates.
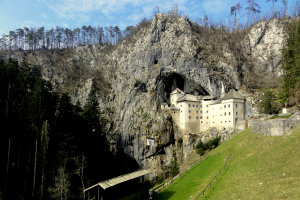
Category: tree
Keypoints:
(234, 10)
(291, 63)
(92, 112)
(273, 6)
(284, 3)
(253, 8)
(61, 188)
(267, 104)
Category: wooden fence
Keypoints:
(214, 179)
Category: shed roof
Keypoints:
(188, 97)
(232, 94)
(120, 179)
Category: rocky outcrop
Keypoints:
(136, 76)
(275, 127)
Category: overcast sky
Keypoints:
(76, 13)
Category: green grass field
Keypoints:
(261, 167)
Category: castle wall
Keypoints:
(191, 115)
(175, 114)
(205, 117)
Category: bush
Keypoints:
(267, 104)
(211, 144)
(175, 169)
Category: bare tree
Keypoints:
(253, 9)
(284, 3)
(234, 10)
(61, 188)
(273, 6)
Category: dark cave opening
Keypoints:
(168, 82)
(173, 81)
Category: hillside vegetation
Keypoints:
(261, 167)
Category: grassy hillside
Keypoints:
(262, 167)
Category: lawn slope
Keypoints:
(261, 167)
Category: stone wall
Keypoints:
(275, 127)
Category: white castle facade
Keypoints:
(199, 113)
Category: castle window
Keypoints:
(189, 111)
(201, 117)
(224, 113)
(206, 105)
(174, 111)
(206, 111)
(207, 117)
(228, 113)
(201, 121)
(236, 113)
(225, 121)
(229, 121)
(180, 105)
(224, 106)
(228, 105)
(197, 117)
(201, 111)
(236, 105)
(196, 106)
(190, 117)
(197, 111)
(193, 106)
(189, 105)
(221, 121)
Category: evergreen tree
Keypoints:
(291, 63)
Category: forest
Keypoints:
(50, 148)
(56, 38)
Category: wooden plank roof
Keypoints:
(120, 179)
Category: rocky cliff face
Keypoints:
(136, 76)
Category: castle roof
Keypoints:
(176, 91)
(188, 97)
(232, 94)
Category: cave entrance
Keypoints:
(168, 82)
(172, 82)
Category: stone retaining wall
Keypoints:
(274, 127)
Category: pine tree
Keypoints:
(291, 63)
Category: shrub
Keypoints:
(211, 144)
(174, 169)
(267, 104)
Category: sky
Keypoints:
(76, 13)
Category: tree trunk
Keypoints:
(34, 169)
(7, 166)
